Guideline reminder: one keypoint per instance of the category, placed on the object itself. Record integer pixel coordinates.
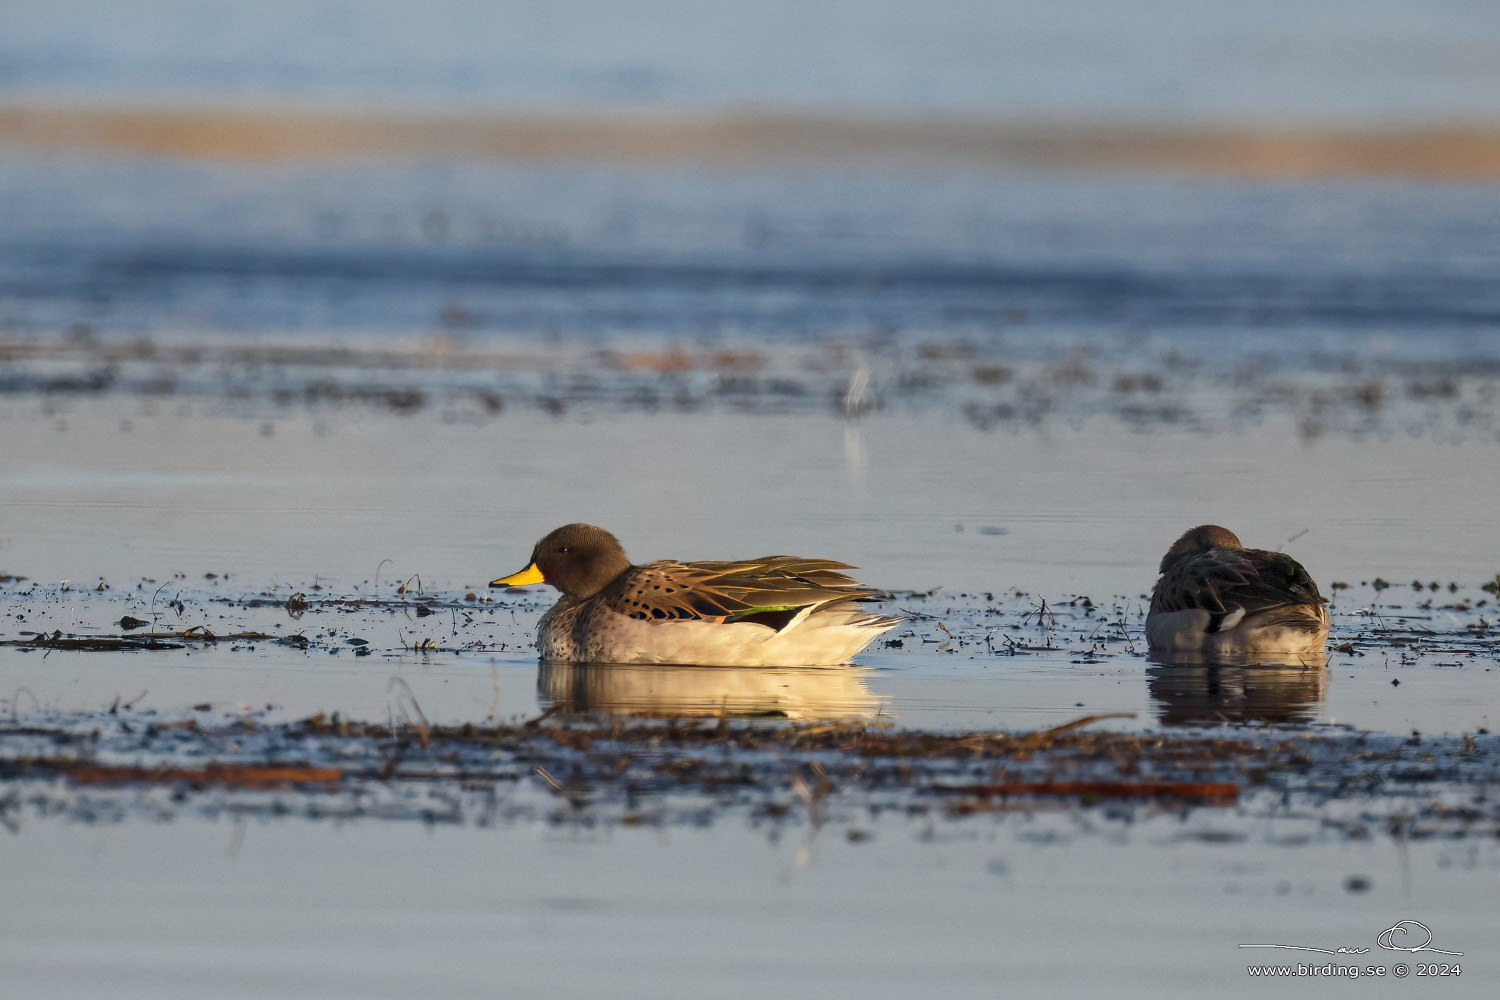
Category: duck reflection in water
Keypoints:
(1271, 689)
(675, 691)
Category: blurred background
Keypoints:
(794, 168)
(1319, 62)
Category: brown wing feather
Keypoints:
(674, 590)
(1219, 579)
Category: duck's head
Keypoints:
(578, 559)
(1200, 539)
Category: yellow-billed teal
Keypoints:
(773, 611)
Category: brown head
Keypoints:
(578, 559)
(1200, 539)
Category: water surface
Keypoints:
(227, 377)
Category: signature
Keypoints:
(1386, 940)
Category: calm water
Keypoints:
(573, 912)
(590, 253)
(918, 502)
(1326, 352)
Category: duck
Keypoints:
(774, 611)
(1219, 598)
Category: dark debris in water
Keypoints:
(578, 763)
(987, 381)
(1450, 623)
(619, 771)
(145, 640)
(63, 617)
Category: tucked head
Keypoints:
(1200, 539)
(578, 559)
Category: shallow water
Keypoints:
(991, 669)
(587, 252)
(149, 492)
(223, 384)
(123, 488)
(248, 908)
(221, 509)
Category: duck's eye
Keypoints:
(562, 549)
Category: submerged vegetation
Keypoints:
(620, 771)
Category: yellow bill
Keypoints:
(528, 575)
